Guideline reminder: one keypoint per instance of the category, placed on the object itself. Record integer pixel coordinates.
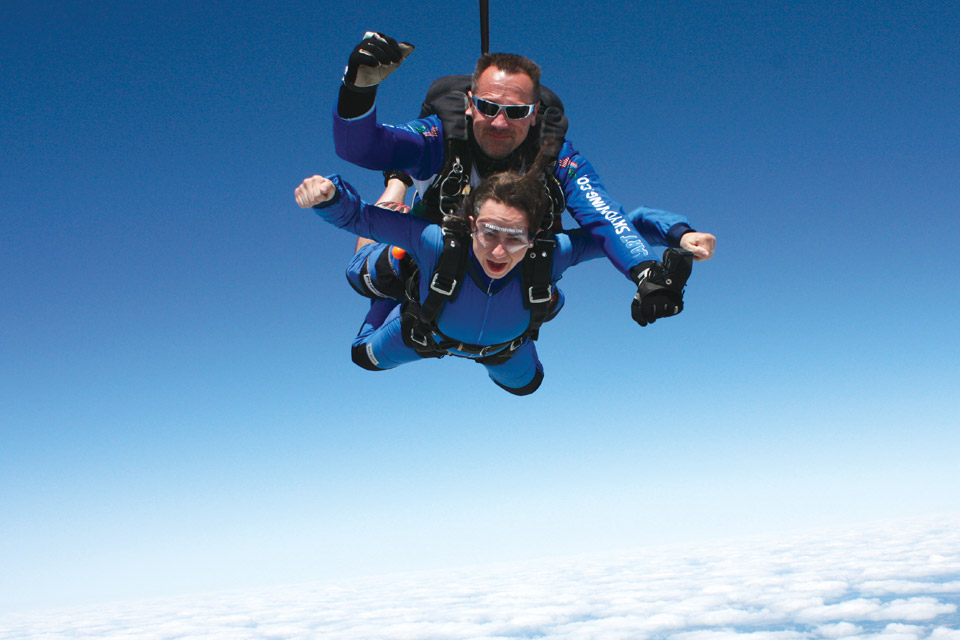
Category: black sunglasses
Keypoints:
(512, 111)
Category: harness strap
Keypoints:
(538, 293)
(447, 277)
(479, 350)
(423, 339)
(558, 202)
(415, 334)
(454, 183)
(419, 319)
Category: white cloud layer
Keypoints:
(893, 582)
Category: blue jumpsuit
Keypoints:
(485, 312)
(417, 147)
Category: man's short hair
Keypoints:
(509, 63)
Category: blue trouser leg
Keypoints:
(379, 344)
(520, 375)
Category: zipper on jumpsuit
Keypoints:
(486, 311)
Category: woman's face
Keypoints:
(500, 237)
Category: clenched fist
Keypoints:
(314, 191)
(376, 57)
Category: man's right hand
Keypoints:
(371, 61)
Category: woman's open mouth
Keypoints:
(496, 267)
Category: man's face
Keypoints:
(499, 136)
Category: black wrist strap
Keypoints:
(354, 102)
(399, 175)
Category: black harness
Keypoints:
(419, 317)
(447, 99)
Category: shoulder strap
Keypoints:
(536, 278)
(419, 318)
(447, 99)
(447, 278)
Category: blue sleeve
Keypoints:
(347, 211)
(573, 247)
(415, 147)
(662, 228)
(602, 216)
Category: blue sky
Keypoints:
(177, 405)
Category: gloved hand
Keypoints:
(376, 57)
(660, 286)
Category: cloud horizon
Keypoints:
(898, 580)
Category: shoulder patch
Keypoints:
(422, 129)
(568, 164)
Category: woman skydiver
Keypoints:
(486, 318)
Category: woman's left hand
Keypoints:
(314, 191)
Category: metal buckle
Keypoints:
(532, 300)
(413, 338)
(451, 187)
(435, 287)
(452, 183)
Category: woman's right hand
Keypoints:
(314, 191)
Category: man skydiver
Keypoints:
(503, 133)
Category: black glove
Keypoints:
(376, 57)
(660, 286)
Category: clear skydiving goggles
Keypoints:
(512, 111)
(512, 240)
